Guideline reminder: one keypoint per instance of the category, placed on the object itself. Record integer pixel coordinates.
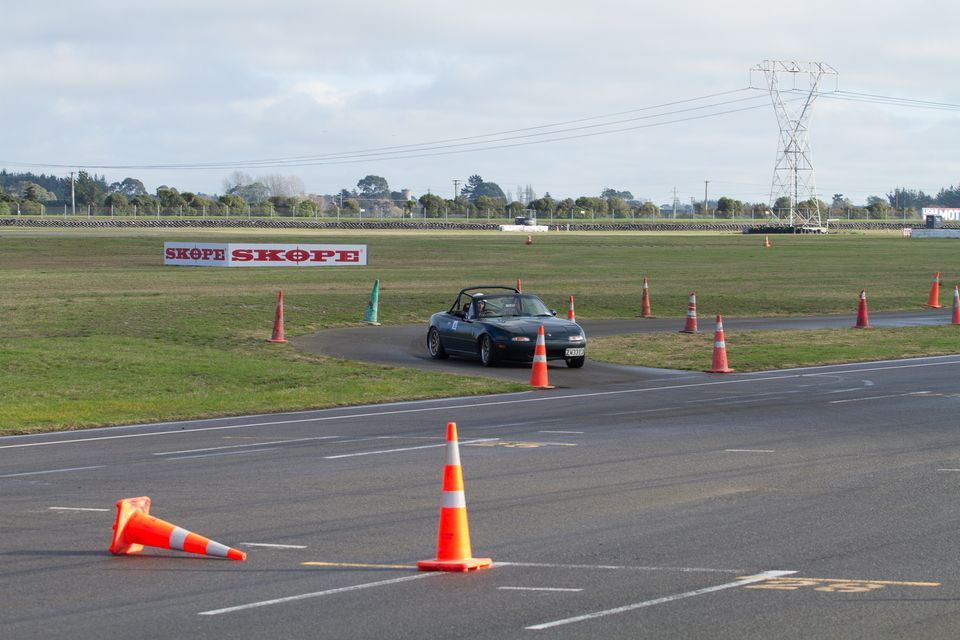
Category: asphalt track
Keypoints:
(808, 503)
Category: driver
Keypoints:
(481, 307)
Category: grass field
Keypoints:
(96, 331)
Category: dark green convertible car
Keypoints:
(496, 323)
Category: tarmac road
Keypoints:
(809, 503)
(405, 345)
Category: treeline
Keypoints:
(30, 193)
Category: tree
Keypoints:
(282, 186)
(372, 186)
(543, 206)
(433, 205)
(129, 187)
(617, 207)
(170, 199)
(89, 190)
(728, 207)
(607, 194)
(35, 193)
(116, 200)
(233, 203)
(351, 206)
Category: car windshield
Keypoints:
(503, 306)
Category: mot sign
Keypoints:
(200, 254)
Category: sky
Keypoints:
(424, 92)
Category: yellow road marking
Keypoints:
(519, 445)
(359, 565)
(835, 585)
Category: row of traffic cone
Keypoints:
(369, 316)
(863, 321)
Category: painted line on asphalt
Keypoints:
(38, 473)
(750, 450)
(884, 397)
(271, 546)
(358, 565)
(223, 453)
(538, 589)
(472, 405)
(318, 594)
(572, 432)
(761, 577)
(614, 567)
(237, 446)
(948, 469)
(75, 509)
(426, 446)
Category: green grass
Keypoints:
(97, 331)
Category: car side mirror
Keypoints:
(553, 312)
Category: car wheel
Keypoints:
(434, 346)
(488, 352)
(575, 363)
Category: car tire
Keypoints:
(577, 362)
(435, 346)
(488, 352)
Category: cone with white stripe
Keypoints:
(766, 242)
(453, 536)
(645, 300)
(691, 324)
(719, 350)
(277, 336)
(933, 300)
(538, 374)
(956, 306)
(571, 313)
(135, 529)
(863, 318)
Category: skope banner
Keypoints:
(204, 254)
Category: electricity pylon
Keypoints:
(793, 172)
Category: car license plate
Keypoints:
(574, 352)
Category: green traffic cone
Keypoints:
(370, 317)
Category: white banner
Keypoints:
(264, 255)
(947, 212)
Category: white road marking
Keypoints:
(560, 432)
(37, 473)
(948, 469)
(750, 450)
(237, 446)
(892, 395)
(223, 453)
(537, 589)
(75, 509)
(271, 546)
(747, 378)
(547, 565)
(317, 594)
(761, 577)
(426, 446)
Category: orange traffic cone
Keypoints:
(571, 314)
(135, 528)
(933, 301)
(519, 288)
(538, 375)
(766, 242)
(529, 239)
(863, 321)
(956, 305)
(719, 350)
(645, 301)
(453, 535)
(277, 336)
(691, 325)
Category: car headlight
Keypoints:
(575, 338)
(520, 339)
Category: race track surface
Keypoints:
(810, 503)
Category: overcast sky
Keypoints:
(108, 83)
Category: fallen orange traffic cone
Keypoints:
(956, 305)
(529, 239)
(863, 321)
(519, 287)
(766, 242)
(933, 301)
(135, 528)
(691, 325)
(571, 314)
(645, 300)
(538, 375)
(453, 535)
(719, 350)
(277, 336)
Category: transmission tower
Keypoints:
(793, 171)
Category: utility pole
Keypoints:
(73, 199)
(675, 203)
(706, 205)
